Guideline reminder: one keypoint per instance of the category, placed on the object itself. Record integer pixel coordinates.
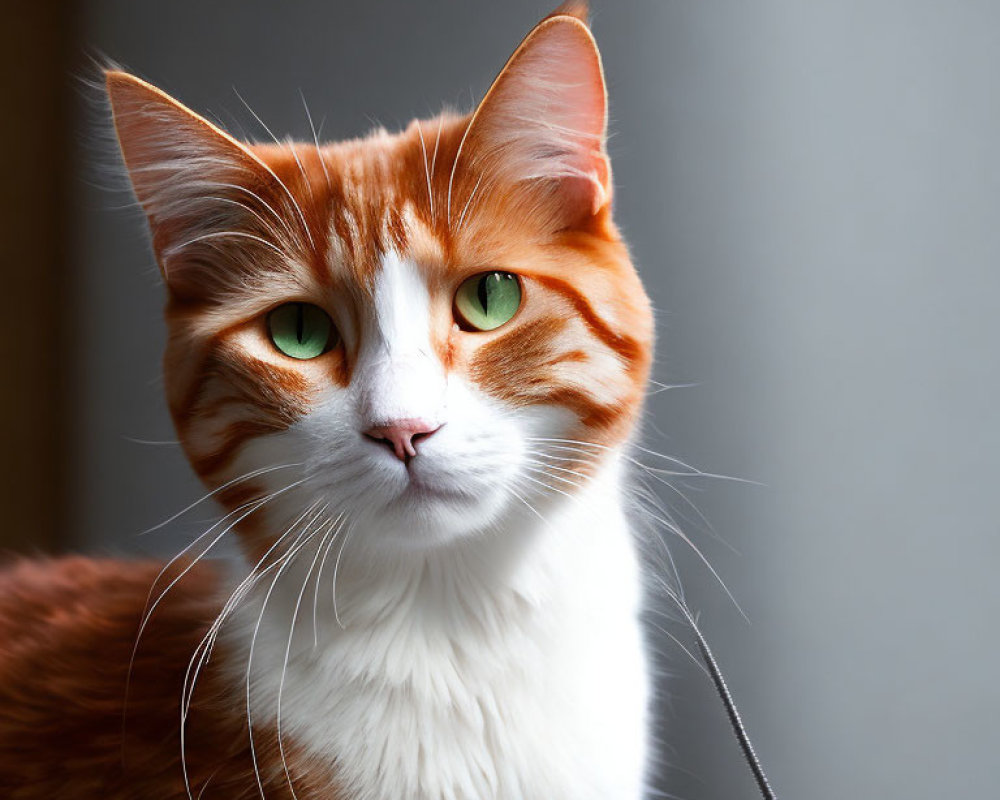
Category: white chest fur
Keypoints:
(507, 668)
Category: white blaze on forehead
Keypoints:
(402, 306)
(402, 377)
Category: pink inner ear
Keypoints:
(545, 115)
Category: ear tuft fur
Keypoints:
(573, 8)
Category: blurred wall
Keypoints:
(36, 45)
(813, 195)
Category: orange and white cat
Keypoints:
(409, 367)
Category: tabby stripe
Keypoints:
(630, 350)
(234, 437)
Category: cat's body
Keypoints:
(499, 668)
(408, 366)
(534, 688)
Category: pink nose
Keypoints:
(402, 435)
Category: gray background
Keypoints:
(812, 190)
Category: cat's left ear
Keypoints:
(544, 119)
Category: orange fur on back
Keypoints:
(69, 626)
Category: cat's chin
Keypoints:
(429, 513)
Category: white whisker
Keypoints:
(336, 569)
(291, 197)
(547, 486)
(701, 557)
(547, 474)
(148, 611)
(315, 135)
(665, 387)
(290, 144)
(548, 466)
(437, 141)
(341, 519)
(663, 520)
(227, 234)
(247, 476)
(427, 170)
(530, 507)
(454, 166)
(468, 202)
(245, 207)
(301, 540)
(203, 651)
(288, 649)
(681, 645)
(237, 188)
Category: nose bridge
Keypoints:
(399, 375)
(396, 386)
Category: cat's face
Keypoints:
(419, 332)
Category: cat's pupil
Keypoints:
(300, 322)
(483, 292)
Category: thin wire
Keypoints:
(739, 729)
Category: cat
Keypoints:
(409, 367)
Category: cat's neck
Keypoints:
(354, 583)
(494, 649)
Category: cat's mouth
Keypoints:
(429, 508)
(420, 489)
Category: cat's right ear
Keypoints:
(193, 180)
(542, 126)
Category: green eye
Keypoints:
(300, 330)
(487, 301)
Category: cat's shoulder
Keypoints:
(80, 687)
(79, 602)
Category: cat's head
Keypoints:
(423, 330)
